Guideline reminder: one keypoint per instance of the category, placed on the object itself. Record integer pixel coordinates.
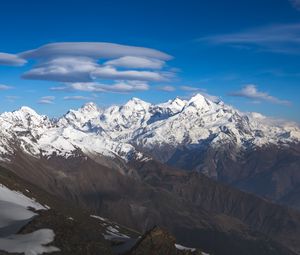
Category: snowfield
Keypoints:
(14, 214)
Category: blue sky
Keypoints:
(52, 55)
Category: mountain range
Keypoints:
(218, 179)
(246, 150)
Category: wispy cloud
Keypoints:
(109, 72)
(136, 62)
(92, 50)
(63, 69)
(11, 99)
(5, 87)
(279, 38)
(118, 87)
(278, 73)
(189, 88)
(251, 92)
(46, 100)
(296, 4)
(77, 98)
(11, 60)
(166, 88)
(84, 65)
(86, 62)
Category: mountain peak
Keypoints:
(175, 105)
(134, 102)
(137, 100)
(199, 101)
(25, 117)
(90, 106)
(197, 97)
(178, 101)
(27, 110)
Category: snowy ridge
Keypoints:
(180, 122)
(41, 137)
(117, 130)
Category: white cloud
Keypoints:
(136, 62)
(118, 87)
(82, 69)
(166, 88)
(5, 87)
(108, 72)
(61, 88)
(80, 62)
(92, 50)
(77, 98)
(46, 100)
(280, 38)
(11, 60)
(63, 69)
(122, 67)
(251, 92)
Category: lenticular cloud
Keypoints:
(87, 62)
(94, 50)
(11, 60)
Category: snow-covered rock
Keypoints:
(41, 137)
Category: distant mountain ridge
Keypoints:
(191, 123)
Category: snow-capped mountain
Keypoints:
(106, 160)
(180, 122)
(119, 131)
(41, 137)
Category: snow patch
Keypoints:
(29, 244)
(16, 197)
(183, 248)
(98, 217)
(112, 231)
(14, 214)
